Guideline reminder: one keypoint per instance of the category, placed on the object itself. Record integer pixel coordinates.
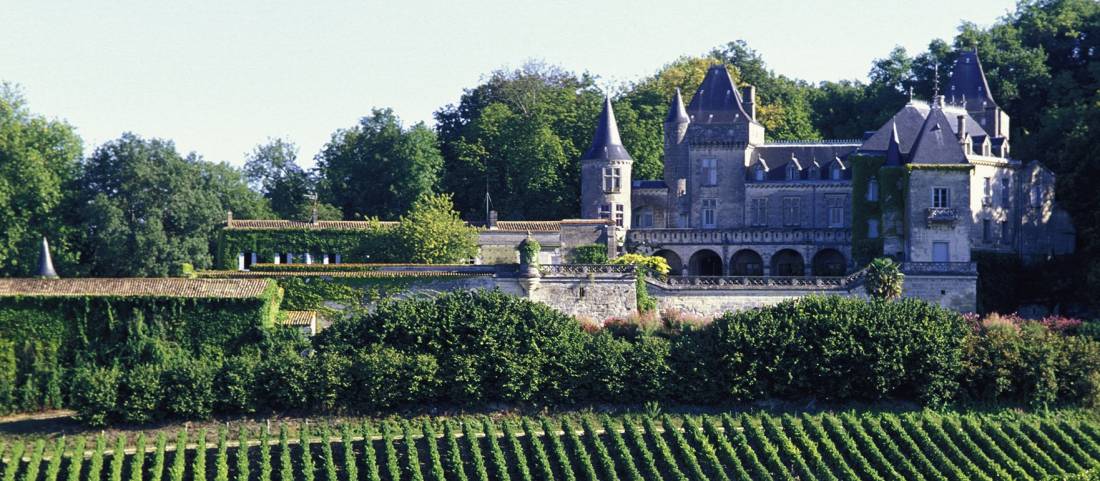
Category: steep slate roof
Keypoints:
(676, 111)
(717, 100)
(266, 224)
(606, 144)
(937, 143)
(134, 287)
(908, 123)
(968, 83)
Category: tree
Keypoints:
(433, 233)
(38, 159)
(519, 135)
(144, 209)
(271, 170)
(378, 168)
(884, 279)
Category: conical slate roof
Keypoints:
(677, 114)
(606, 144)
(717, 100)
(968, 83)
(893, 151)
(45, 263)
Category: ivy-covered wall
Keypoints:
(373, 244)
(41, 337)
(889, 209)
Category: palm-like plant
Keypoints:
(884, 279)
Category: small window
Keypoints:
(710, 171)
(941, 197)
(792, 171)
(815, 173)
(987, 231)
(835, 172)
(759, 173)
(709, 208)
(620, 214)
(644, 218)
(1036, 196)
(872, 228)
(1004, 232)
(836, 210)
(612, 179)
(1006, 182)
(872, 190)
(605, 211)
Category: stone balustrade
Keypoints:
(940, 268)
(739, 236)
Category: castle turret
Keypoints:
(969, 88)
(676, 126)
(605, 173)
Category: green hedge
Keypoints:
(48, 335)
(889, 209)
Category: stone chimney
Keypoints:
(961, 126)
(492, 221)
(748, 100)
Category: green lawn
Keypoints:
(1004, 445)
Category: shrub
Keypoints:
(589, 254)
(842, 348)
(236, 384)
(884, 279)
(381, 377)
(490, 346)
(188, 384)
(140, 392)
(94, 393)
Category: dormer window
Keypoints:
(815, 173)
(835, 172)
(792, 172)
(759, 173)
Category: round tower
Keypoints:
(676, 126)
(606, 173)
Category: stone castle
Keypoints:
(930, 187)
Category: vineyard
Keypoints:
(727, 447)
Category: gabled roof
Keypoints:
(968, 83)
(906, 121)
(676, 112)
(717, 100)
(936, 143)
(606, 144)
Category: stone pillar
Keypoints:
(289, 258)
(240, 261)
(277, 259)
(253, 258)
(309, 258)
(324, 259)
(337, 259)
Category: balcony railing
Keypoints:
(740, 236)
(948, 268)
(585, 269)
(816, 283)
(942, 215)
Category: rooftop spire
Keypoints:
(717, 101)
(676, 112)
(45, 263)
(606, 144)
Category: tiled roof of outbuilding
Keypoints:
(134, 287)
(275, 224)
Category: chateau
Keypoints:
(930, 187)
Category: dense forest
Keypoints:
(521, 132)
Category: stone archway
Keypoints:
(788, 262)
(746, 262)
(705, 263)
(675, 265)
(829, 262)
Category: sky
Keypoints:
(219, 77)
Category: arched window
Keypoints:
(872, 189)
(792, 171)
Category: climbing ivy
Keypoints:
(889, 209)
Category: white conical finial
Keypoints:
(45, 263)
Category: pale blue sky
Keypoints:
(218, 77)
